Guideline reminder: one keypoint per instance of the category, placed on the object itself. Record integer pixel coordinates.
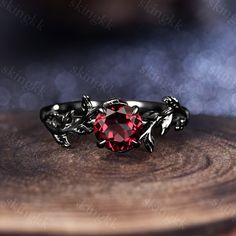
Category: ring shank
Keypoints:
(56, 116)
(80, 117)
(77, 105)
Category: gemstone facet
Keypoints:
(119, 126)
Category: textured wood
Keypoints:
(187, 185)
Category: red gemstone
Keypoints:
(119, 127)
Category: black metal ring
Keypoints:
(81, 117)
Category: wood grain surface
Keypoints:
(187, 186)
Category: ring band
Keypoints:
(118, 125)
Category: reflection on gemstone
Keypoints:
(119, 127)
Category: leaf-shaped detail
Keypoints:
(166, 123)
(148, 141)
(150, 115)
(62, 139)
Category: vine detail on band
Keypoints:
(165, 119)
(62, 124)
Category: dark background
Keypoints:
(56, 51)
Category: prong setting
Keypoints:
(101, 144)
(136, 143)
(135, 110)
(102, 110)
(114, 101)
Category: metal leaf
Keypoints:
(62, 139)
(149, 142)
(166, 123)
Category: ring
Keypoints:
(118, 125)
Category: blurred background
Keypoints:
(56, 51)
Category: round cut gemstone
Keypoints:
(119, 127)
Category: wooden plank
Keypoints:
(187, 184)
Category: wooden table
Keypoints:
(187, 186)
